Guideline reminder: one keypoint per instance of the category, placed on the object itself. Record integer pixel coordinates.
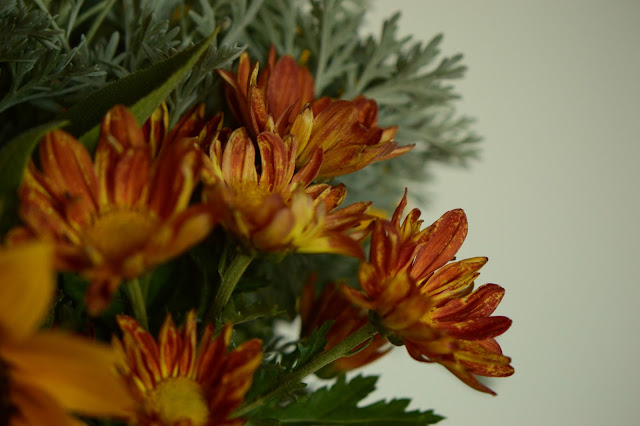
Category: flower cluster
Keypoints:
(153, 196)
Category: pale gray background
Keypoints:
(553, 203)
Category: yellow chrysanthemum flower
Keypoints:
(45, 375)
(178, 383)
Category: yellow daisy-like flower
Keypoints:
(269, 206)
(429, 305)
(46, 375)
(178, 383)
(120, 215)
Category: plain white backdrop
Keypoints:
(553, 203)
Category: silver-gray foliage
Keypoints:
(54, 52)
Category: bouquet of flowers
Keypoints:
(174, 179)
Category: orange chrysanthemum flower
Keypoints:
(45, 375)
(428, 305)
(178, 383)
(276, 94)
(348, 134)
(347, 319)
(281, 98)
(119, 216)
(269, 206)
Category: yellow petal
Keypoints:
(26, 288)
(79, 373)
(36, 407)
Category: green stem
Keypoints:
(341, 350)
(230, 278)
(137, 302)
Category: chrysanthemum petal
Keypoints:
(79, 373)
(155, 129)
(174, 177)
(445, 238)
(357, 297)
(283, 86)
(131, 176)
(338, 123)
(480, 303)
(454, 277)
(27, 285)
(68, 165)
(238, 161)
(36, 407)
(476, 328)
(273, 158)
(188, 126)
(181, 232)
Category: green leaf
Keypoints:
(246, 307)
(338, 405)
(142, 92)
(313, 345)
(13, 159)
(75, 287)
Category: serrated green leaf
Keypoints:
(142, 92)
(312, 346)
(338, 405)
(13, 160)
(241, 308)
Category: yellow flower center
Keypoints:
(179, 399)
(121, 233)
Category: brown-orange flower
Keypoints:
(281, 98)
(120, 215)
(178, 382)
(270, 207)
(279, 91)
(347, 318)
(428, 305)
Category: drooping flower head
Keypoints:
(46, 375)
(281, 98)
(178, 382)
(429, 305)
(347, 318)
(120, 215)
(269, 206)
